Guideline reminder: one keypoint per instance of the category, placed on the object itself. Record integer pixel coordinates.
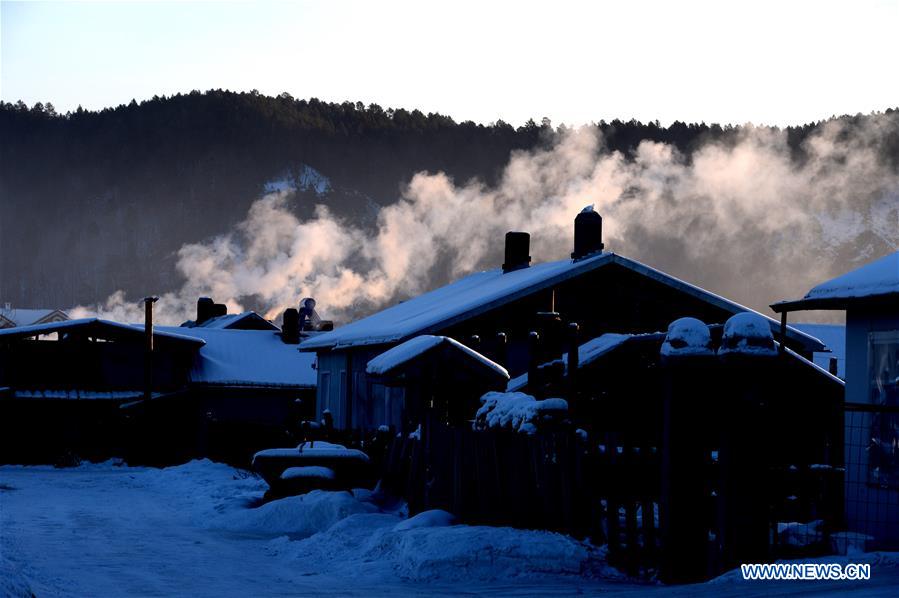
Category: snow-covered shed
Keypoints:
(494, 312)
(435, 368)
(870, 297)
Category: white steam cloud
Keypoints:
(744, 219)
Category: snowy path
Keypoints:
(101, 530)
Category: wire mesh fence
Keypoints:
(872, 478)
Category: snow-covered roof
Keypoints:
(248, 358)
(98, 327)
(482, 291)
(15, 316)
(587, 353)
(248, 320)
(874, 282)
(880, 277)
(419, 345)
(598, 347)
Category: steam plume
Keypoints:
(743, 219)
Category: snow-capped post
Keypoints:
(573, 358)
(148, 346)
(749, 359)
(500, 354)
(688, 367)
(534, 362)
(783, 331)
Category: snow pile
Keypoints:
(298, 516)
(313, 450)
(747, 333)
(800, 534)
(687, 336)
(367, 545)
(308, 472)
(515, 410)
(432, 518)
(880, 277)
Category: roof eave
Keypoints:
(834, 303)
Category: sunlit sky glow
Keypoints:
(737, 61)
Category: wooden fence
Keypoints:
(611, 491)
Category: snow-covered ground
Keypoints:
(196, 530)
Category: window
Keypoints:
(883, 388)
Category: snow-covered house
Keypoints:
(11, 317)
(216, 391)
(494, 312)
(62, 384)
(870, 297)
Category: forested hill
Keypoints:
(93, 202)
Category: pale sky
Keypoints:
(721, 61)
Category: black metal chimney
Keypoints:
(587, 233)
(518, 245)
(148, 346)
(204, 309)
(290, 327)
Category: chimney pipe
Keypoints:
(290, 326)
(148, 346)
(518, 245)
(204, 309)
(587, 233)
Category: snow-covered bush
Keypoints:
(747, 333)
(516, 410)
(687, 336)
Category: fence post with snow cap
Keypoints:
(747, 353)
(687, 360)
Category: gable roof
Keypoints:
(26, 317)
(482, 291)
(96, 327)
(248, 320)
(394, 359)
(876, 281)
(248, 358)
